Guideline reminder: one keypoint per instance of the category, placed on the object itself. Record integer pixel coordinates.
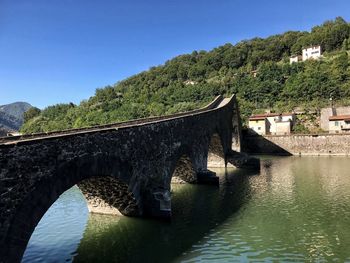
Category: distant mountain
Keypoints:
(2, 132)
(11, 116)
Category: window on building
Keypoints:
(259, 128)
(256, 121)
(336, 123)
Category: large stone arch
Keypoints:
(49, 186)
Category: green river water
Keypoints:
(297, 209)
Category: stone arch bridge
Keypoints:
(125, 167)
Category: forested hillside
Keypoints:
(192, 80)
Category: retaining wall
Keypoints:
(298, 144)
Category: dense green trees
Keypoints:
(192, 80)
(31, 113)
(330, 36)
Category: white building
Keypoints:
(281, 124)
(13, 134)
(295, 59)
(190, 82)
(272, 123)
(313, 52)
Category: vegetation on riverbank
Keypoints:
(192, 80)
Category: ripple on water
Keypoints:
(295, 214)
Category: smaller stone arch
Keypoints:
(222, 156)
(190, 164)
(108, 195)
(237, 128)
(184, 171)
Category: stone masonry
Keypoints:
(298, 144)
(126, 167)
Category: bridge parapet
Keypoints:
(9, 139)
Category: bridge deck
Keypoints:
(218, 102)
(223, 102)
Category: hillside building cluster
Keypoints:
(332, 120)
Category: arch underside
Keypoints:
(89, 173)
(108, 195)
(217, 157)
(184, 171)
(216, 154)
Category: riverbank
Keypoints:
(298, 144)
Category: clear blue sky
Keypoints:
(62, 50)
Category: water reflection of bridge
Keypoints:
(196, 210)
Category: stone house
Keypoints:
(339, 124)
(327, 113)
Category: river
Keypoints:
(295, 209)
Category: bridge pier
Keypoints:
(207, 177)
(243, 160)
(157, 204)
